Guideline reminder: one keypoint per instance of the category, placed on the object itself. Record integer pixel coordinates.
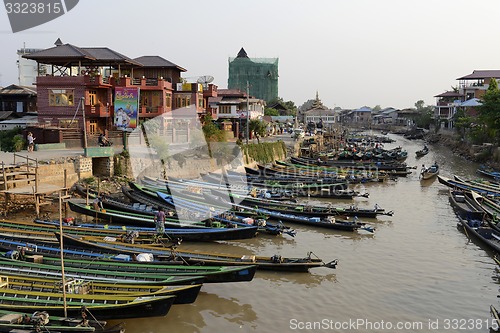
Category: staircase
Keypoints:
(22, 173)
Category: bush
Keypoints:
(12, 140)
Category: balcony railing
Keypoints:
(97, 110)
(96, 80)
(151, 110)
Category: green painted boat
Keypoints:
(275, 262)
(100, 306)
(42, 321)
(23, 268)
(184, 294)
(161, 270)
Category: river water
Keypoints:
(416, 273)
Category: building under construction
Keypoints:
(261, 74)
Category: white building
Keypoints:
(27, 69)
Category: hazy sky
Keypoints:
(353, 52)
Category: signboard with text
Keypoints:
(126, 112)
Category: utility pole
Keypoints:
(248, 113)
(82, 101)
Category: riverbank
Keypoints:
(486, 154)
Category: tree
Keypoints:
(377, 108)
(462, 122)
(425, 114)
(419, 105)
(271, 112)
(489, 111)
(211, 130)
(257, 127)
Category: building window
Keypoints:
(93, 126)
(92, 97)
(168, 100)
(61, 97)
(200, 102)
(224, 109)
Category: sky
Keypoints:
(390, 53)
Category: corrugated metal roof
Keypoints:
(17, 90)
(449, 94)
(363, 109)
(157, 61)
(482, 74)
(61, 51)
(231, 92)
(70, 52)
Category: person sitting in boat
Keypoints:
(377, 207)
(97, 204)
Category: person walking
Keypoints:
(160, 222)
(31, 142)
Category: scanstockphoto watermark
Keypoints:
(361, 324)
(24, 15)
(354, 324)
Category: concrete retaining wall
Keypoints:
(53, 173)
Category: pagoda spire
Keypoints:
(317, 104)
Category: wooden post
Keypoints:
(62, 256)
(65, 192)
(4, 176)
(37, 205)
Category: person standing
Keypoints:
(31, 142)
(160, 221)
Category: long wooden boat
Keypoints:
(324, 221)
(488, 172)
(183, 294)
(490, 207)
(494, 312)
(329, 222)
(297, 189)
(430, 172)
(211, 274)
(211, 210)
(112, 203)
(422, 152)
(100, 306)
(483, 190)
(271, 177)
(478, 182)
(368, 165)
(39, 321)
(320, 175)
(464, 206)
(486, 235)
(42, 270)
(275, 262)
(306, 210)
(147, 220)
